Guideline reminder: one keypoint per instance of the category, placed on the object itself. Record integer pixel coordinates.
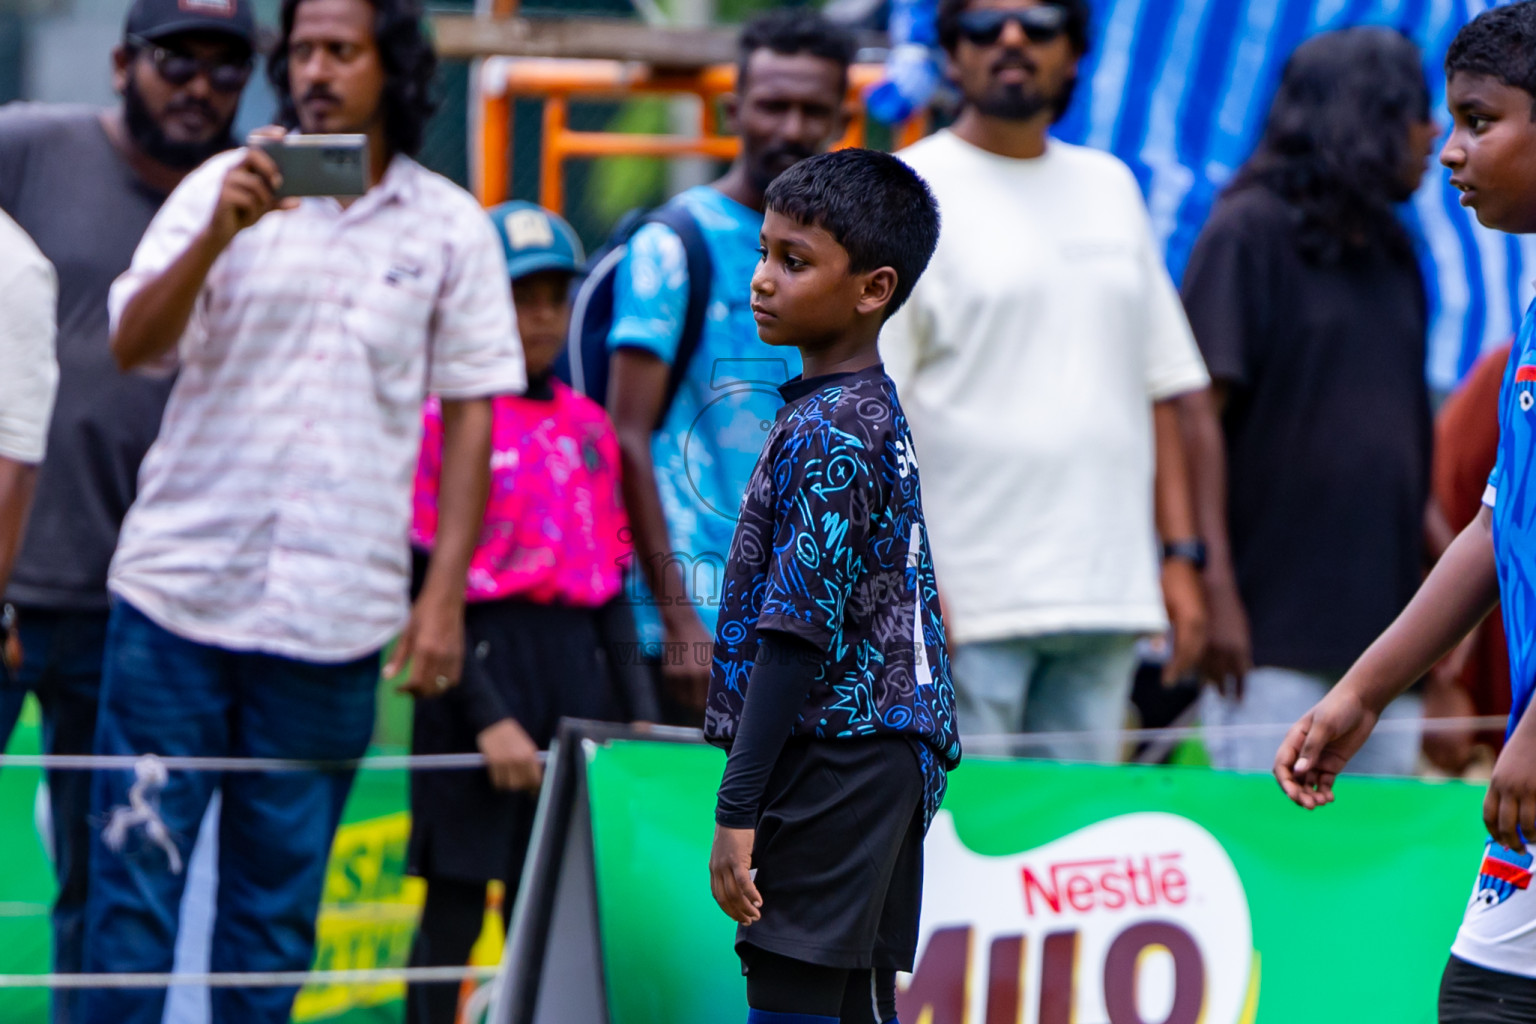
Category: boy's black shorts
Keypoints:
(839, 855)
(1475, 995)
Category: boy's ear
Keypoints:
(879, 289)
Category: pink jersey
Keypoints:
(555, 530)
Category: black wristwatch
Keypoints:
(1191, 551)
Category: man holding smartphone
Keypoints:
(265, 564)
(84, 183)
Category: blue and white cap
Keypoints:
(533, 239)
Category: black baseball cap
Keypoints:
(156, 19)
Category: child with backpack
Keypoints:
(549, 633)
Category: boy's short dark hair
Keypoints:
(1499, 43)
(1077, 22)
(875, 206)
(793, 31)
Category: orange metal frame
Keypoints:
(502, 80)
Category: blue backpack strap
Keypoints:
(700, 277)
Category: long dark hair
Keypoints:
(1336, 143)
(410, 68)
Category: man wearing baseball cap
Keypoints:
(84, 184)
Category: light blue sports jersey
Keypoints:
(1512, 494)
(709, 442)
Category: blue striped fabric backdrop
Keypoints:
(1179, 89)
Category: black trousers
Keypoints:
(1475, 995)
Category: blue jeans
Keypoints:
(167, 695)
(61, 664)
(1059, 682)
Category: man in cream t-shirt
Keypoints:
(1037, 359)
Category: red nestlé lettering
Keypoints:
(1106, 883)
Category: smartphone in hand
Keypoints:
(319, 165)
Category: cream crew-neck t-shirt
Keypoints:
(1028, 359)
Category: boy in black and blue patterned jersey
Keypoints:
(830, 684)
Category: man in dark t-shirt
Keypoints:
(1308, 305)
(84, 183)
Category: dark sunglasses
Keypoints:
(1039, 24)
(226, 75)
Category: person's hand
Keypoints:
(1444, 698)
(249, 193)
(1509, 808)
(1229, 643)
(1317, 747)
(687, 677)
(730, 875)
(1184, 597)
(432, 644)
(511, 756)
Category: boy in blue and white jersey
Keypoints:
(1491, 976)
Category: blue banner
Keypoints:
(1179, 90)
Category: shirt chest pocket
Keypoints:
(390, 310)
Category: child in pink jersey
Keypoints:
(549, 634)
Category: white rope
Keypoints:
(128, 762)
(1015, 741)
(434, 762)
(251, 979)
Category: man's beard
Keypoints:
(1013, 102)
(152, 141)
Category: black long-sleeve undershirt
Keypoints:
(782, 675)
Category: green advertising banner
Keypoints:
(1059, 893)
(367, 917)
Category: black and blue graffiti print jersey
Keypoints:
(831, 546)
(1512, 495)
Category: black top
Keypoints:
(830, 547)
(1327, 427)
(782, 675)
(65, 184)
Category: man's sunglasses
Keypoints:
(1039, 24)
(224, 75)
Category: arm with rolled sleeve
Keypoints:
(173, 242)
(28, 301)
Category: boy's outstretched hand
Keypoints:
(1509, 808)
(1317, 747)
(730, 875)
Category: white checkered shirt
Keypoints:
(273, 509)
